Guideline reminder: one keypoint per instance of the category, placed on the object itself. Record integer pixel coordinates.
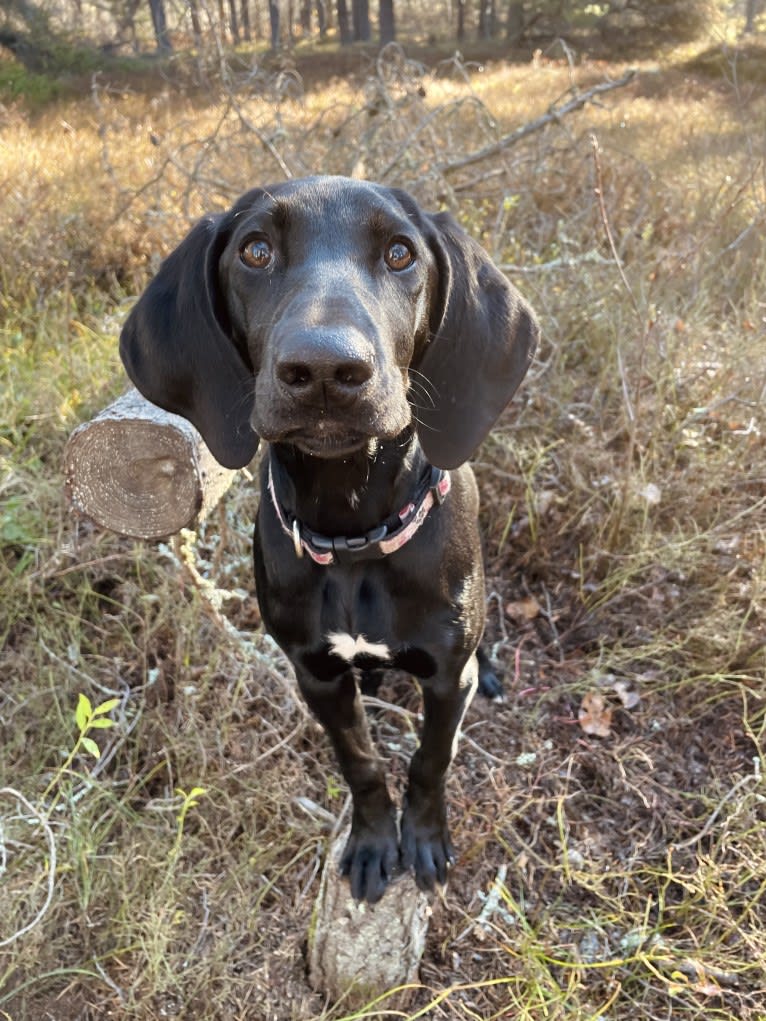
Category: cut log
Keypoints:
(141, 471)
(359, 951)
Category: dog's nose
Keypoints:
(324, 367)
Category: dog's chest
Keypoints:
(350, 647)
(354, 620)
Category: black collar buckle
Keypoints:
(349, 549)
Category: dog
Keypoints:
(373, 346)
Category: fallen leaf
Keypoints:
(523, 610)
(595, 715)
(626, 695)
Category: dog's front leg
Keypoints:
(371, 855)
(425, 843)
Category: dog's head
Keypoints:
(326, 312)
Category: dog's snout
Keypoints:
(322, 365)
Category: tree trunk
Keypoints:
(486, 19)
(344, 29)
(361, 19)
(195, 22)
(245, 16)
(140, 471)
(460, 34)
(159, 21)
(274, 23)
(233, 21)
(514, 22)
(321, 18)
(306, 18)
(387, 23)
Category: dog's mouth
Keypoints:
(328, 440)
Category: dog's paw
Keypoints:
(425, 844)
(490, 685)
(370, 859)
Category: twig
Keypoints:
(565, 262)
(120, 993)
(270, 148)
(467, 739)
(492, 902)
(548, 614)
(380, 703)
(36, 814)
(554, 114)
(80, 674)
(406, 145)
(754, 776)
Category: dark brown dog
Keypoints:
(373, 346)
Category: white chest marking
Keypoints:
(348, 647)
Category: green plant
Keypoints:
(188, 802)
(87, 719)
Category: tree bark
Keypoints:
(140, 471)
(361, 20)
(245, 18)
(344, 29)
(159, 21)
(486, 19)
(387, 22)
(359, 951)
(514, 22)
(306, 18)
(460, 34)
(274, 23)
(233, 20)
(321, 18)
(195, 22)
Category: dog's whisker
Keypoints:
(418, 390)
(426, 384)
(422, 425)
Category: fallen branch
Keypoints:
(563, 263)
(554, 114)
(34, 815)
(141, 471)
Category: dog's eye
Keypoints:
(257, 253)
(399, 255)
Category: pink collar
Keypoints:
(377, 543)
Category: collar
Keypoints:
(395, 532)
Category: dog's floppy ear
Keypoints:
(483, 337)
(176, 348)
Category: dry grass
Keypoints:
(624, 507)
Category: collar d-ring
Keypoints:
(296, 533)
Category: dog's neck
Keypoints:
(350, 495)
